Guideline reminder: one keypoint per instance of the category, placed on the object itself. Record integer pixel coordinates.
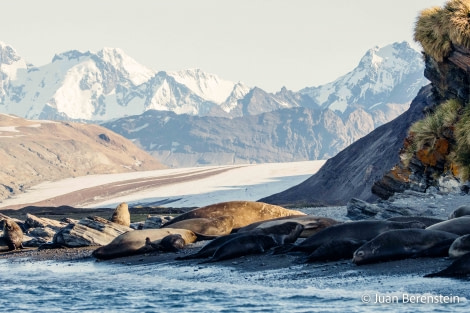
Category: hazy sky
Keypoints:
(264, 43)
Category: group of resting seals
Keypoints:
(239, 228)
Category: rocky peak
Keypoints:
(8, 54)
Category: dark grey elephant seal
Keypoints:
(243, 244)
(12, 235)
(206, 228)
(134, 242)
(459, 268)
(281, 234)
(121, 215)
(170, 243)
(312, 224)
(427, 221)
(460, 246)
(243, 212)
(458, 225)
(335, 250)
(351, 231)
(463, 210)
(404, 243)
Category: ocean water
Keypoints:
(89, 286)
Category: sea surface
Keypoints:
(88, 286)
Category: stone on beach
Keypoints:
(90, 231)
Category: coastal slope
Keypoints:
(38, 151)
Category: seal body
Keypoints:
(206, 228)
(460, 246)
(463, 210)
(427, 221)
(351, 232)
(335, 250)
(280, 234)
(170, 243)
(404, 243)
(243, 244)
(121, 215)
(459, 268)
(12, 235)
(243, 212)
(458, 225)
(312, 224)
(134, 242)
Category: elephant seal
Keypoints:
(206, 228)
(460, 246)
(427, 221)
(404, 243)
(463, 210)
(134, 242)
(243, 244)
(170, 243)
(350, 231)
(458, 268)
(335, 250)
(12, 235)
(458, 225)
(121, 215)
(243, 212)
(312, 224)
(285, 233)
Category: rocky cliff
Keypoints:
(35, 151)
(353, 171)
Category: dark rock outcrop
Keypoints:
(353, 171)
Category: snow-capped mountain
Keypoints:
(109, 84)
(106, 85)
(10, 64)
(389, 75)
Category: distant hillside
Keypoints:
(35, 151)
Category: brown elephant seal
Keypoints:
(285, 233)
(463, 210)
(12, 235)
(460, 268)
(404, 243)
(170, 243)
(243, 244)
(121, 215)
(350, 232)
(458, 225)
(460, 246)
(426, 220)
(312, 224)
(206, 228)
(134, 242)
(243, 212)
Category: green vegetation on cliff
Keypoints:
(442, 140)
(438, 28)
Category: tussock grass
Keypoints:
(425, 132)
(437, 28)
(462, 138)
